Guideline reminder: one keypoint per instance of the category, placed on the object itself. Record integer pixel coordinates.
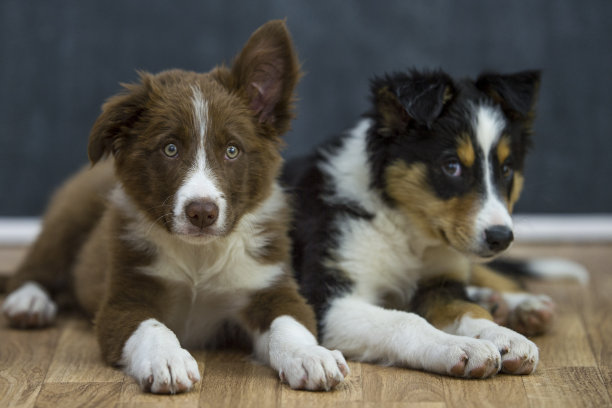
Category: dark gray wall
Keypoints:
(60, 59)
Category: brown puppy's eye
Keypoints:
(231, 152)
(170, 150)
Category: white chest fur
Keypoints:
(209, 283)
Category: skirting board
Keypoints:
(527, 228)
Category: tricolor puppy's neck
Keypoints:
(449, 154)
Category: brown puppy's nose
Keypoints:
(202, 213)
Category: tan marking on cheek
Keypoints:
(517, 187)
(503, 150)
(465, 151)
(450, 220)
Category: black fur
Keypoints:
(314, 233)
(417, 118)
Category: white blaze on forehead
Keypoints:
(200, 181)
(200, 113)
(488, 126)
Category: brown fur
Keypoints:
(465, 151)
(251, 106)
(449, 220)
(72, 213)
(280, 299)
(503, 149)
(443, 312)
(517, 188)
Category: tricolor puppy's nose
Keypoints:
(202, 213)
(498, 237)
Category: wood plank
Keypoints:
(566, 345)
(501, 390)
(345, 394)
(567, 387)
(10, 258)
(606, 375)
(132, 396)
(25, 356)
(395, 384)
(231, 379)
(83, 395)
(77, 357)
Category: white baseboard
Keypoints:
(563, 228)
(527, 228)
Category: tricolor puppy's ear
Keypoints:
(119, 114)
(515, 93)
(266, 72)
(404, 99)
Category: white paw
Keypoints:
(300, 362)
(313, 368)
(29, 307)
(155, 358)
(529, 314)
(519, 355)
(461, 356)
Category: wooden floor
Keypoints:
(60, 366)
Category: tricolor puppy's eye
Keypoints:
(170, 150)
(231, 152)
(452, 167)
(506, 169)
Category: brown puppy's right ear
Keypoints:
(119, 113)
(266, 72)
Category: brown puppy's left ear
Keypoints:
(266, 72)
(119, 113)
(515, 93)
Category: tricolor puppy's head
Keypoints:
(194, 151)
(450, 153)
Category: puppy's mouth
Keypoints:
(199, 236)
(477, 253)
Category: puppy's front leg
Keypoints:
(278, 318)
(444, 303)
(371, 333)
(131, 335)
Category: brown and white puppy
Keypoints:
(192, 243)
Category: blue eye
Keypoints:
(452, 168)
(170, 150)
(506, 170)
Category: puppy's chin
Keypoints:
(197, 239)
(196, 236)
(484, 257)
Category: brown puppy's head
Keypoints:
(194, 152)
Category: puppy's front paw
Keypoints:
(533, 315)
(466, 357)
(313, 368)
(154, 357)
(492, 301)
(519, 355)
(29, 307)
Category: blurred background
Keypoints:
(59, 60)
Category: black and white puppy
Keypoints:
(390, 216)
